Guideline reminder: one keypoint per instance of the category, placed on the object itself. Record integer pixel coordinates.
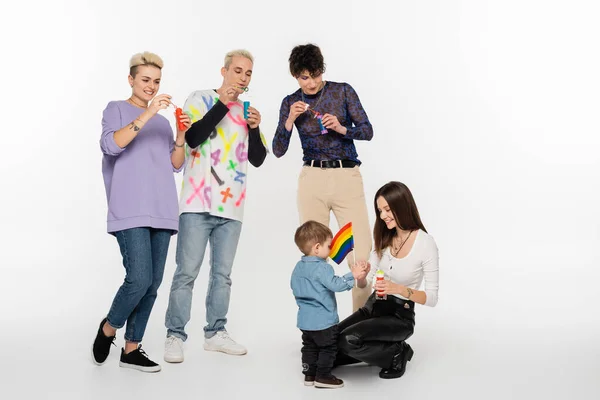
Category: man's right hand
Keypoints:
(296, 110)
(229, 94)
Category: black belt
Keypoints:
(392, 305)
(331, 163)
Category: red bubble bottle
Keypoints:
(380, 276)
(178, 113)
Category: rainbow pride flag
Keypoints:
(342, 244)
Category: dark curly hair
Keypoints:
(306, 57)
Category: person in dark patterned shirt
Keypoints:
(329, 117)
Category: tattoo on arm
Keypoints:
(410, 292)
(134, 127)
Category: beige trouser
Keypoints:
(322, 190)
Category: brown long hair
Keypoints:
(403, 207)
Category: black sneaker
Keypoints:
(101, 347)
(138, 359)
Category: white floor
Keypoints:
(491, 348)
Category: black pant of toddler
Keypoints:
(319, 349)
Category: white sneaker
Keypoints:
(173, 349)
(224, 343)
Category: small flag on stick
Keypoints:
(342, 244)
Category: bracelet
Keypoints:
(176, 145)
(410, 292)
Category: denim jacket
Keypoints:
(314, 285)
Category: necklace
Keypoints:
(394, 251)
(134, 103)
(318, 100)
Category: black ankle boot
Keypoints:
(398, 364)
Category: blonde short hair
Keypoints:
(240, 52)
(145, 58)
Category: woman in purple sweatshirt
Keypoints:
(139, 158)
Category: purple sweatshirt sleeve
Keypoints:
(111, 122)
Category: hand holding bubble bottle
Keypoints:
(178, 114)
(319, 118)
(380, 276)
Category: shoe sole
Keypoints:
(139, 367)
(173, 360)
(208, 347)
(391, 377)
(327, 385)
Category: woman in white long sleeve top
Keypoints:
(408, 255)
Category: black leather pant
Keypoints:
(376, 332)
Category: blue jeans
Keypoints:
(196, 230)
(144, 252)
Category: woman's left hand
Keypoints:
(331, 122)
(186, 121)
(388, 287)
